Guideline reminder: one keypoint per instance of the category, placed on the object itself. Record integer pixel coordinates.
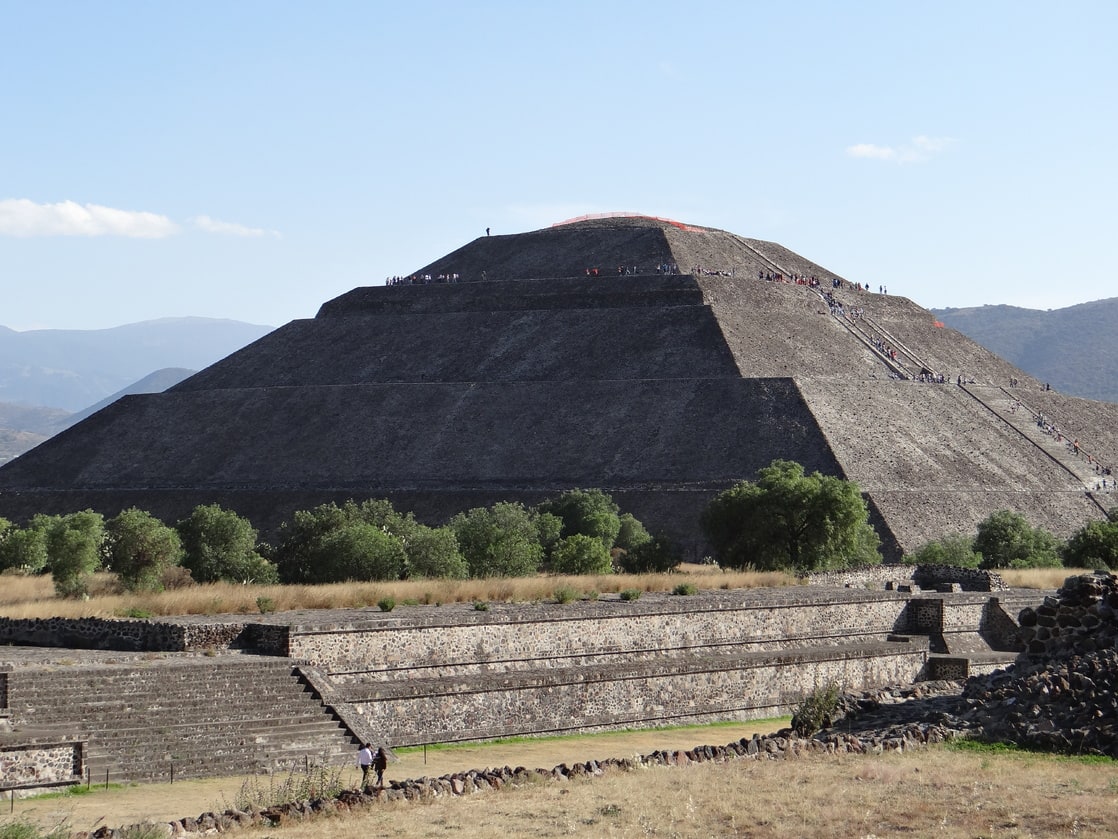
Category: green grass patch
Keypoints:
(1001, 748)
(78, 790)
(775, 722)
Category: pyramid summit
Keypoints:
(658, 361)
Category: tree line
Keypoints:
(784, 520)
(576, 532)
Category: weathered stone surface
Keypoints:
(669, 373)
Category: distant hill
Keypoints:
(1074, 349)
(23, 427)
(156, 382)
(51, 379)
(73, 369)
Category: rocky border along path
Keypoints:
(1064, 698)
(908, 718)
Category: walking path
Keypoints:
(163, 802)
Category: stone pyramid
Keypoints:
(658, 361)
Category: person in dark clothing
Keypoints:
(380, 763)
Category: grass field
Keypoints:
(948, 791)
(33, 597)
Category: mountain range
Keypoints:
(52, 378)
(1073, 349)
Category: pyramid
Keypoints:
(658, 361)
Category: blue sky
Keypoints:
(251, 160)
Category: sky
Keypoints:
(251, 160)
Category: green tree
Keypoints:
(631, 533)
(24, 548)
(655, 556)
(139, 548)
(218, 544)
(499, 541)
(1007, 540)
(957, 550)
(1095, 545)
(311, 534)
(590, 512)
(581, 554)
(429, 551)
(73, 545)
(549, 530)
(301, 539)
(789, 520)
(360, 551)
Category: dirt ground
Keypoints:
(164, 802)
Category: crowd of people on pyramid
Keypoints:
(423, 279)
(633, 270)
(1106, 481)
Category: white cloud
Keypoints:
(917, 150)
(24, 218)
(228, 228)
(872, 151)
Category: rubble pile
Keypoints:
(1062, 695)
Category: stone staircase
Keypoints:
(184, 718)
(1023, 420)
(969, 634)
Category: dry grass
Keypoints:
(940, 791)
(33, 597)
(1043, 578)
(163, 802)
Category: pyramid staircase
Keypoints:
(186, 718)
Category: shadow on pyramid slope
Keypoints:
(659, 387)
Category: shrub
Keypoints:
(301, 784)
(136, 612)
(630, 594)
(581, 554)
(139, 548)
(175, 577)
(386, 604)
(632, 533)
(656, 556)
(26, 830)
(265, 605)
(25, 549)
(360, 551)
(218, 544)
(432, 551)
(586, 512)
(481, 606)
(955, 550)
(787, 520)
(73, 545)
(565, 594)
(1095, 545)
(816, 710)
(499, 541)
(332, 544)
(1006, 540)
(685, 589)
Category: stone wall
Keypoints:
(691, 690)
(31, 763)
(550, 635)
(933, 577)
(422, 674)
(123, 635)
